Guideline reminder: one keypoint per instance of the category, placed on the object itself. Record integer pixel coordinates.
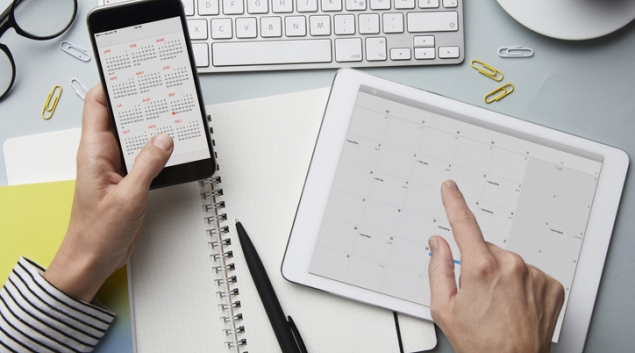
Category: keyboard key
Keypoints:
(221, 28)
(380, 4)
(320, 25)
(450, 3)
(270, 27)
(332, 5)
(355, 5)
(257, 6)
(424, 41)
(400, 54)
(428, 4)
(424, 53)
(307, 5)
(393, 22)
(271, 52)
(433, 21)
(404, 4)
(246, 27)
(233, 7)
(369, 23)
(347, 50)
(188, 6)
(295, 26)
(376, 49)
(197, 29)
(344, 24)
(208, 7)
(201, 54)
(282, 6)
(448, 52)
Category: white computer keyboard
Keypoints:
(258, 35)
(252, 35)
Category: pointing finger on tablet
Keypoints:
(502, 304)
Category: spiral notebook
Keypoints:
(191, 289)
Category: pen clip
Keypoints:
(296, 335)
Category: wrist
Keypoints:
(76, 274)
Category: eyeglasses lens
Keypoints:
(6, 72)
(44, 18)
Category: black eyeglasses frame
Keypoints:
(7, 20)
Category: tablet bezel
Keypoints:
(321, 174)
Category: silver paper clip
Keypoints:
(79, 88)
(515, 52)
(77, 52)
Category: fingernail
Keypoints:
(433, 243)
(451, 184)
(163, 141)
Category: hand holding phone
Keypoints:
(105, 201)
(147, 70)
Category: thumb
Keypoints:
(442, 280)
(150, 161)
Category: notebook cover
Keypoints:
(33, 222)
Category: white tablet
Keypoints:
(372, 198)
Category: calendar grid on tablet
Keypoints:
(385, 201)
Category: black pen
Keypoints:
(286, 332)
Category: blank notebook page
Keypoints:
(41, 158)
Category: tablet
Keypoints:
(372, 198)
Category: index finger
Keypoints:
(97, 140)
(467, 233)
(95, 116)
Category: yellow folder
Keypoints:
(33, 222)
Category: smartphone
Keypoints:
(147, 69)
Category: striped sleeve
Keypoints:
(37, 317)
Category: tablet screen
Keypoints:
(529, 195)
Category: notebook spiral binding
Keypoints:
(221, 261)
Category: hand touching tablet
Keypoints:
(501, 304)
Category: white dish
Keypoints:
(571, 19)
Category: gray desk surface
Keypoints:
(583, 88)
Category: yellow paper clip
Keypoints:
(499, 93)
(49, 106)
(487, 70)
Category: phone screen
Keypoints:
(148, 76)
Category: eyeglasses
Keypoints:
(33, 19)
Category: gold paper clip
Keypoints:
(487, 70)
(49, 106)
(515, 52)
(499, 93)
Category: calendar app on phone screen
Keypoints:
(151, 90)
